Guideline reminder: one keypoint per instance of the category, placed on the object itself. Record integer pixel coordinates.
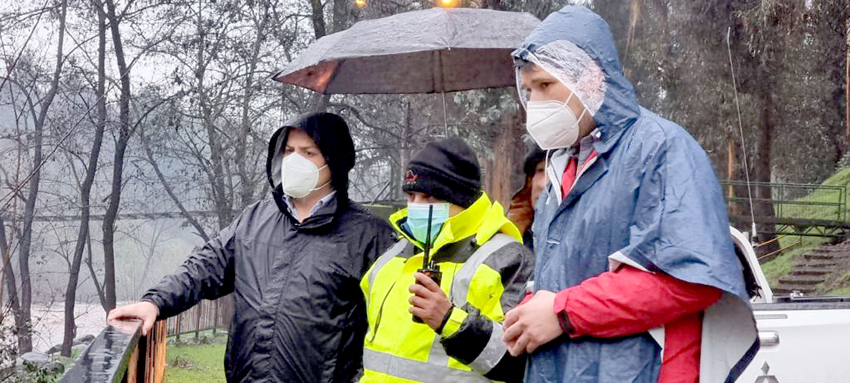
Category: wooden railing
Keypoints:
(121, 354)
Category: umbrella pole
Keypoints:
(445, 114)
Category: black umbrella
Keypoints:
(436, 50)
(430, 51)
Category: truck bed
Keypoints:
(803, 339)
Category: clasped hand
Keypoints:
(531, 324)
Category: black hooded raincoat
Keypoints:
(299, 313)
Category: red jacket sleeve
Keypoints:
(630, 301)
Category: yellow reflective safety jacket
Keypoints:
(485, 270)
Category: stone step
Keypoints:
(831, 249)
(822, 256)
(819, 263)
(835, 251)
(808, 270)
(801, 280)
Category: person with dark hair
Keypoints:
(521, 212)
(636, 278)
(293, 262)
(462, 260)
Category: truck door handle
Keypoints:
(769, 338)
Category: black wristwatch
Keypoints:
(564, 321)
(439, 330)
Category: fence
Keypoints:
(797, 209)
(206, 315)
(807, 201)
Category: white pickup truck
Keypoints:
(803, 339)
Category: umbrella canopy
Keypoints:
(429, 51)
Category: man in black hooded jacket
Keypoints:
(293, 262)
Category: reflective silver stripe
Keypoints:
(436, 370)
(492, 353)
(460, 285)
(495, 349)
(437, 356)
(391, 253)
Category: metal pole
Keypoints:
(445, 114)
(441, 68)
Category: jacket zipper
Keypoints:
(381, 312)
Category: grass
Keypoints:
(194, 363)
(782, 265)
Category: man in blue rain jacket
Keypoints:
(631, 235)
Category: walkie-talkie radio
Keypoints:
(429, 268)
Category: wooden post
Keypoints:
(132, 373)
(215, 317)
(199, 309)
(155, 347)
(177, 326)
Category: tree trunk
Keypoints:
(85, 190)
(223, 205)
(245, 175)
(847, 82)
(501, 180)
(342, 13)
(25, 334)
(318, 18)
(764, 207)
(9, 275)
(118, 164)
(634, 16)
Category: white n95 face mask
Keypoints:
(552, 124)
(299, 176)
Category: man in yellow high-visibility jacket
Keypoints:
(484, 266)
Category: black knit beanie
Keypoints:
(331, 134)
(447, 170)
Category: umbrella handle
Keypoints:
(445, 114)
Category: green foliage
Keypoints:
(34, 374)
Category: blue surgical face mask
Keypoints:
(417, 219)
